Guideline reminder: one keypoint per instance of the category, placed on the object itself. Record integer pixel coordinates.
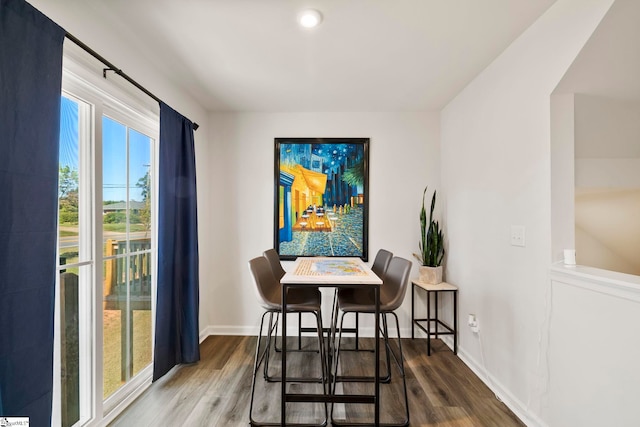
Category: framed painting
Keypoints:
(321, 197)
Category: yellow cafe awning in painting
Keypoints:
(316, 181)
(305, 179)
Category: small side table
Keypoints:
(439, 324)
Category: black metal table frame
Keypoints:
(449, 330)
(331, 398)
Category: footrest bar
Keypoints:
(330, 398)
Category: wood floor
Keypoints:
(442, 390)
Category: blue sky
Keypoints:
(114, 152)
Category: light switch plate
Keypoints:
(517, 235)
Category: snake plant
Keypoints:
(432, 243)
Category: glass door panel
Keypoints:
(114, 187)
(127, 279)
(75, 264)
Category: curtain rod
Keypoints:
(116, 70)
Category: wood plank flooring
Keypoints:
(442, 390)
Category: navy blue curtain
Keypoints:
(30, 84)
(177, 330)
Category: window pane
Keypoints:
(127, 319)
(139, 186)
(74, 286)
(114, 185)
(114, 325)
(68, 183)
(140, 303)
(127, 244)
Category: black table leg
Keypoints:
(428, 323)
(455, 322)
(413, 291)
(377, 352)
(283, 371)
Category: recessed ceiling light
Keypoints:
(310, 18)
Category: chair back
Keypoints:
(381, 263)
(274, 260)
(395, 283)
(267, 287)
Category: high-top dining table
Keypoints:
(339, 273)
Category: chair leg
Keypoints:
(262, 356)
(275, 378)
(336, 356)
(323, 358)
(357, 330)
(299, 331)
(275, 341)
(256, 365)
(387, 349)
(400, 362)
(269, 335)
(347, 378)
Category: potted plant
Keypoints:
(431, 246)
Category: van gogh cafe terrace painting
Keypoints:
(321, 192)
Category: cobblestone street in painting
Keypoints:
(344, 240)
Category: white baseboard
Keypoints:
(228, 330)
(513, 403)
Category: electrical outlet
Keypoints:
(473, 323)
(517, 235)
(472, 319)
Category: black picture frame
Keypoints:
(321, 197)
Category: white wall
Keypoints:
(607, 142)
(593, 348)
(607, 128)
(404, 157)
(496, 173)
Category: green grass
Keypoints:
(112, 360)
(65, 233)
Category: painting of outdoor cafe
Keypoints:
(321, 201)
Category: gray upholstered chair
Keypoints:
(379, 267)
(392, 294)
(278, 271)
(381, 262)
(269, 294)
(274, 260)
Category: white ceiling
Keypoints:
(368, 55)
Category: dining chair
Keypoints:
(379, 267)
(268, 291)
(276, 267)
(392, 294)
(274, 260)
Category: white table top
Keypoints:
(329, 270)
(442, 286)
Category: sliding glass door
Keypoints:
(107, 252)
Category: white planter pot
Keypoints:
(430, 275)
